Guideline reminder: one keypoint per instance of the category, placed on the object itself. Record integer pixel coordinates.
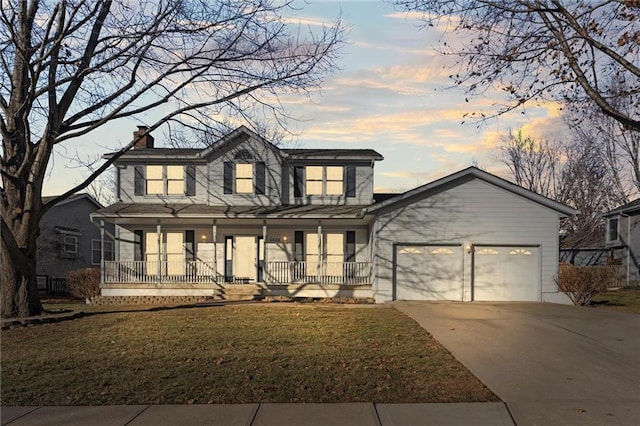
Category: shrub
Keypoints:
(84, 283)
(581, 283)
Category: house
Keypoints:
(622, 238)
(306, 222)
(69, 240)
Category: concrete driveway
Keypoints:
(552, 364)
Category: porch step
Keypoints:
(235, 292)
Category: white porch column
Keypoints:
(264, 251)
(159, 246)
(101, 251)
(319, 251)
(215, 249)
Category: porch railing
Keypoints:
(277, 272)
(194, 271)
(350, 273)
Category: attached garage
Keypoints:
(428, 272)
(469, 236)
(506, 273)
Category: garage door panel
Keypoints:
(429, 272)
(506, 273)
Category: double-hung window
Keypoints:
(67, 241)
(165, 180)
(244, 178)
(96, 251)
(324, 180)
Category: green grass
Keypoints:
(232, 354)
(625, 300)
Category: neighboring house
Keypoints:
(306, 222)
(622, 238)
(68, 240)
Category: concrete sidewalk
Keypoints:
(354, 414)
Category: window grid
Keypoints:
(244, 178)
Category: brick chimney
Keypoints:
(145, 141)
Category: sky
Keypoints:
(392, 94)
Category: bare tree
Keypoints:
(544, 49)
(70, 67)
(574, 172)
(534, 164)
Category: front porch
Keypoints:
(269, 273)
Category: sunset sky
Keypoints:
(389, 95)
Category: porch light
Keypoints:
(284, 239)
(469, 247)
(204, 238)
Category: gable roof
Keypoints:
(240, 134)
(630, 208)
(71, 199)
(466, 175)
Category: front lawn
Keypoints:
(625, 300)
(233, 354)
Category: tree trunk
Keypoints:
(20, 296)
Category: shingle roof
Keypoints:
(630, 207)
(156, 209)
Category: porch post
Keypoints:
(101, 251)
(159, 246)
(319, 251)
(264, 251)
(215, 250)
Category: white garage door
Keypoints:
(506, 273)
(428, 272)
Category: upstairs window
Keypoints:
(244, 175)
(324, 180)
(165, 180)
(244, 178)
(612, 230)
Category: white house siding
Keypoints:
(474, 212)
(261, 152)
(127, 185)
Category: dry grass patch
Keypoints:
(625, 300)
(233, 354)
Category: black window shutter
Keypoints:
(351, 182)
(191, 180)
(298, 246)
(189, 242)
(260, 177)
(228, 177)
(138, 250)
(139, 180)
(298, 180)
(350, 252)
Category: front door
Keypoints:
(244, 265)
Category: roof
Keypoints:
(72, 198)
(197, 210)
(379, 197)
(464, 176)
(242, 133)
(322, 154)
(630, 208)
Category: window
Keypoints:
(487, 251)
(175, 180)
(67, 241)
(612, 230)
(520, 252)
(165, 180)
(95, 251)
(314, 180)
(324, 180)
(334, 180)
(244, 178)
(155, 182)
